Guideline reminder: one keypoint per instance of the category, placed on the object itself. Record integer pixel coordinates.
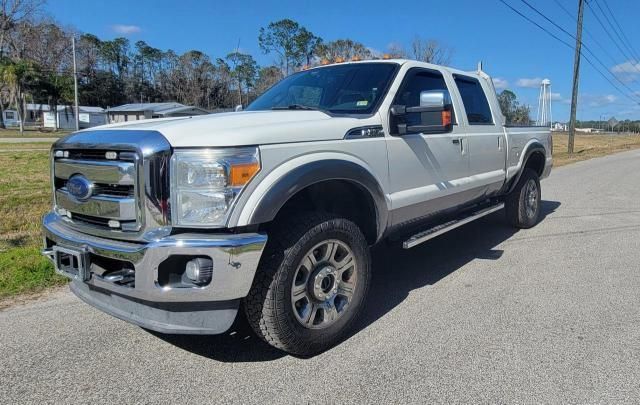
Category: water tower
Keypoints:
(544, 117)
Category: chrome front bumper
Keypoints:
(161, 308)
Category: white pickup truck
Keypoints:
(175, 224)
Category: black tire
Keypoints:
(269, 307)
(522, 205)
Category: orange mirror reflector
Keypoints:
(446, 118)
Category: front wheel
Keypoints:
(522, 205)
(311, 283)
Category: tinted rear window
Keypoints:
(474, 100)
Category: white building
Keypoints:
(559, 126)
(40, 115)
(10, 118)
(33, 115)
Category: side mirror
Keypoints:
(433, 115)
(238, 108)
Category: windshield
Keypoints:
(342, 89)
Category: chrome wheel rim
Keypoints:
(324, 283)
(531, 198)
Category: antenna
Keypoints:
(479, 66)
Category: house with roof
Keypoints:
(41, 115)
(64, 118)
(33, 115)
(142, 111)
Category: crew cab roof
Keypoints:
(401, 62)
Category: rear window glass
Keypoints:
(474, 100)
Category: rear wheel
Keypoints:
(522, 205)
(311, 283)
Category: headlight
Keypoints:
(206, 182)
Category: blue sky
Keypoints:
(515, 52)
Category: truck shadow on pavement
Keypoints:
(396, 272)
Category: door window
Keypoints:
(416, 81)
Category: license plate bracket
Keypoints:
(72, 263)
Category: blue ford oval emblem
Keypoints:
(80, 187)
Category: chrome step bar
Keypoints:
(447, 226)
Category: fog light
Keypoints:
(199, 270)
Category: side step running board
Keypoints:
(447, 226)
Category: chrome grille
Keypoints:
(130, 184)
(113, 200)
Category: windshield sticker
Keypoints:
(362, 103)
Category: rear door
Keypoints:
(485, 135)
(427, 171)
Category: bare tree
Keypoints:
(430, 51)
(396, 50)
(12, 13)
(267, 77)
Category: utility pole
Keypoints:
(576, 74)
(75, 83)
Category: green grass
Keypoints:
(24, 270)
(25, 195)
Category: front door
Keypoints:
(427, 172)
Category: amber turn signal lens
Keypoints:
(446, 118)
(240, 174)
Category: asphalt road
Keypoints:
(482, 314)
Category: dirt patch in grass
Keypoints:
(32, 133)
(26, 146)
(590, 146)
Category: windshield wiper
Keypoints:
(295, 107)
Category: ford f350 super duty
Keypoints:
(175, 224)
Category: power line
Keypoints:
(535, 23)
(581, 43)
(622, 36)
(611, 36)
(589, 34)
(570, 47)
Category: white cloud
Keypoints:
(598, 100)
(500, 83)
(125, 29)
(530, 83)
(627, 67)
(628, 71)
(556, 96)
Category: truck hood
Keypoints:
(247, 128)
